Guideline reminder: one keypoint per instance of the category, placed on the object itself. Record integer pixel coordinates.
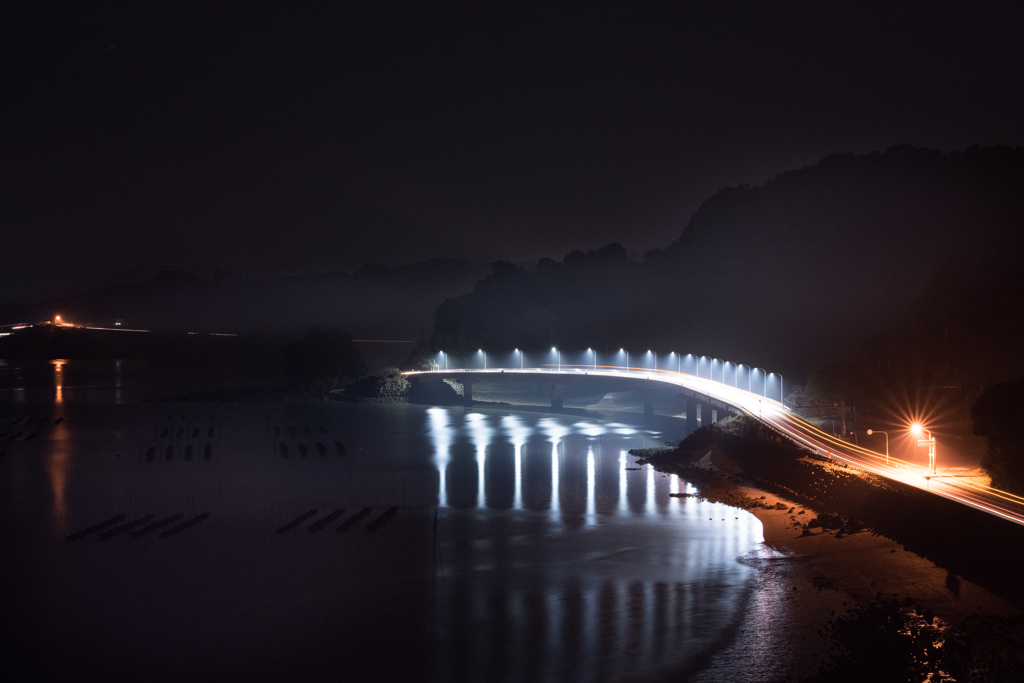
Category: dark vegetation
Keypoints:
(997, 417)
(391, 386)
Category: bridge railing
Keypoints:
(769, 385)
(743, 399)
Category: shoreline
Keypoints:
(867, 566)
(804, 585)
(824, 602)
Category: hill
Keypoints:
(788, 275)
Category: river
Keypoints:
(165, 540)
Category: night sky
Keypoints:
(298, 137)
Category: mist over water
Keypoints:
(323, 541)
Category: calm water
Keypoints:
(166, 540)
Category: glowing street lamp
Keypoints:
(627, 358)
(765, 375)
(559, 355)
(741, 365)
(879, 431)
(917, 430)
(481, 351)
(679, 361)
(445, 356)
(521, 361)
(590, 350)
(655, 359)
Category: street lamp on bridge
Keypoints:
(741, 365)
(917, 430)
(879, 431)
(655, 359)
(559, 356)
(481, 351)
(445, 356)
(679, 361)
(521, 361)
(593, 351)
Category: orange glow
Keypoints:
(916, 429)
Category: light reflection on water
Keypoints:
(590, 568)
(605, 458)
(555, 558)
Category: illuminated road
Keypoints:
(778, 417)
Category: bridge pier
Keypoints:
(557, 394)
(691, 415)
(648, 402)
(467, 390)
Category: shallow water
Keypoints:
(497, 546)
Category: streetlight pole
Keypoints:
(485, 358)
(918, 430)
(594, 351)
(879, 431)
(558, 354)
(520, 358)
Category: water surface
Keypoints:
(329, 541)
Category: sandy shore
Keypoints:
(821, 576)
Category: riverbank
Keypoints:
(858, 603)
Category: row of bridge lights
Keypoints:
(679, 361)
(917, 429)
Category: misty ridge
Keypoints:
(376, 300)
(791, 275)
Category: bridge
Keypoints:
(712, 394)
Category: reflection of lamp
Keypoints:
(58, 380)
(917, 430)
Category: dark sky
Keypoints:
(295, 136)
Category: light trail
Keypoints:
(779, 418)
